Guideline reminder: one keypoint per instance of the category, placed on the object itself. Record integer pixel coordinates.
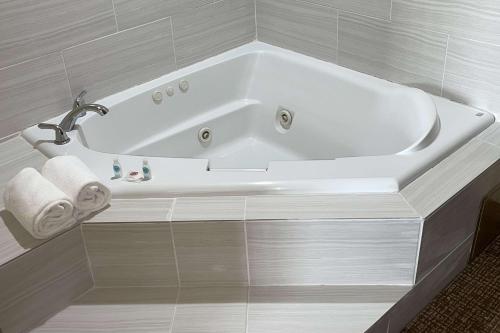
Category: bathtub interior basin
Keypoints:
(240, 105)
(261, 119)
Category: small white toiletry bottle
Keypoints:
(146, 170)
(117, 168)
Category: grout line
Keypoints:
(246, 242)
(417, 257)
(116, 16)
(248, 309)
(89, 263)
(175, 255)
(116, 33)
(173, 41)
(174, 249)
(255, 19)
(66, 73)
(450, 253)
(338, 42)
(175, 309)
(444, 67)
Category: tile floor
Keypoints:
(226, 309)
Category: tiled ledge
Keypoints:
(268, 207)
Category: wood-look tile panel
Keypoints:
(332, 252)
(212, 29)
(205, 310)
(375, 8)
(131, 254)
(319, 308)
(300, 26)
(116, 62)
(370, 205)
(465, 18)
(32, 92)
(392, 51)
(131, 13)
(473, 73)
(43, 282)
(429, 287)
(440, 183)
(13, 149)
(209, 209)
(211, 253)
(134, 310)
(135, 210)
(452, 223)
(29, 29)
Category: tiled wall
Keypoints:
(446, 47)
(51, 50)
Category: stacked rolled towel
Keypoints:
(80, 184)
(42, 208)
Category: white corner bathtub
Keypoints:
(350, 132)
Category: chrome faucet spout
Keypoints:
(69, 121)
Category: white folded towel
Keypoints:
(82, 186)
(41, 208)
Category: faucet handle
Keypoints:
(79, 101)
(61, 136)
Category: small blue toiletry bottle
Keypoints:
(117, 168)
(146, 170)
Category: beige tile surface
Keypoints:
(211, 253)
(56, 271)
(14, 239)
(131, 254)
(137, 310)
(332, 252)
(491, 135)
(209, 209)
(374, 8)
(423, 293)
(131, 13)
(453, 222)
(119, 61)
(212, 29)
(319, 308)
(13, 149)
(32, 92)
(29, 29)
(220, 310)
(300, 26)
(281, 207)
(396, 52)
(440, 183)
(473, 73)
(465, 18)
(135, 210)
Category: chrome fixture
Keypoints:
(68, 123)
(61, 136)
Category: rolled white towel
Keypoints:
(41, 208)
(82, 186)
